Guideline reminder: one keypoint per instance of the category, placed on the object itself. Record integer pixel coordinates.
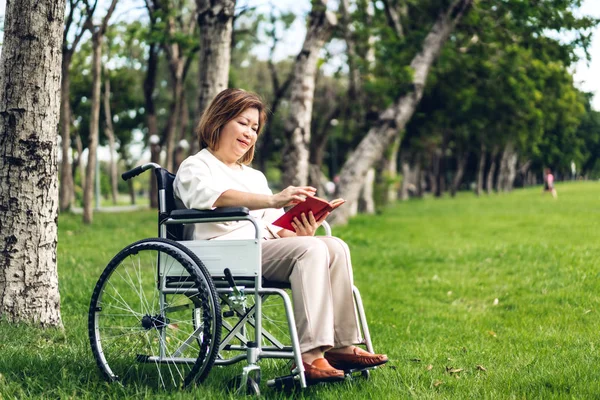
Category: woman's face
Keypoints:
(238, 136)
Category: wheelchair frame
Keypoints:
(228, 288)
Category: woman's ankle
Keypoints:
(310, 356)
(343, 350)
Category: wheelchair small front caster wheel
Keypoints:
(286, 383)
(365, 373)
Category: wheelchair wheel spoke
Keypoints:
(143, 318)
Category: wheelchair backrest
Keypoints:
(164, 180)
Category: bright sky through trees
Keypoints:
(586, 74)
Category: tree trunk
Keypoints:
(66, 173)
(366, 202)
(480, 170)
(511, 164)
(507, 172)
(67, 170)
(461, 163)
(406, 176)
(419, 179)
(387, 173)
(172, 124)
(110, 134)
(215, 20)
(489, 186)
(441, 171)
(90, 171)
(297, 125)
(395, 117)
(151, 119)
(30, 83)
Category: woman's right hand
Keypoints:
(292, 195)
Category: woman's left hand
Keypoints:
(307, 226)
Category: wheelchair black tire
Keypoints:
(143, 325)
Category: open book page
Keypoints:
(317, 205)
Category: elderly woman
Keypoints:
(318, 268)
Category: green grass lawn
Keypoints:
(492, 297)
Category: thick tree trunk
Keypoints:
(110, 134)
(461, 163)
(90, 170)
(215, 20)
(395, 117)
(489, 186)
(480, 170)
(30, 83)
(66, 173)
(297, 125)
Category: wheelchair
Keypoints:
(166, 310)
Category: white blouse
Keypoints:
(200, 181)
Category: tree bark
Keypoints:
(489, 186)
(66, 188)
(461, 163)
(366, 202)
(441, 170)
(507, 172)
(110, 134)
(297, 126)
(30, 83)
(90, 172)
(151, 118)
(215, 20)
(406, 176)
(66, 172)
(395, 117)
(480, 170)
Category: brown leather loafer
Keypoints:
(321, 371)
(357, 360)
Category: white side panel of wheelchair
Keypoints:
(242, 257)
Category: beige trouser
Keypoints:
(320, 273)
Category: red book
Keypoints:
(317, 205)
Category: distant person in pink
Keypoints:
(549, 182)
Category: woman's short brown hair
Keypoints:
(226, 106)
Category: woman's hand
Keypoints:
(307, 226)
(292, 195)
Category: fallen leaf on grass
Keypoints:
(481, 367)
(437, 383)
(452, 370)
(429, 367)
(492, 333)
(496, 301)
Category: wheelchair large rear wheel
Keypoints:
(154, 317)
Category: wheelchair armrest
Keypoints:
(221, 212)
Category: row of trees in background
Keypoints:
(431, 94)
(411, 98)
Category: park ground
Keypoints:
(493, 297)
